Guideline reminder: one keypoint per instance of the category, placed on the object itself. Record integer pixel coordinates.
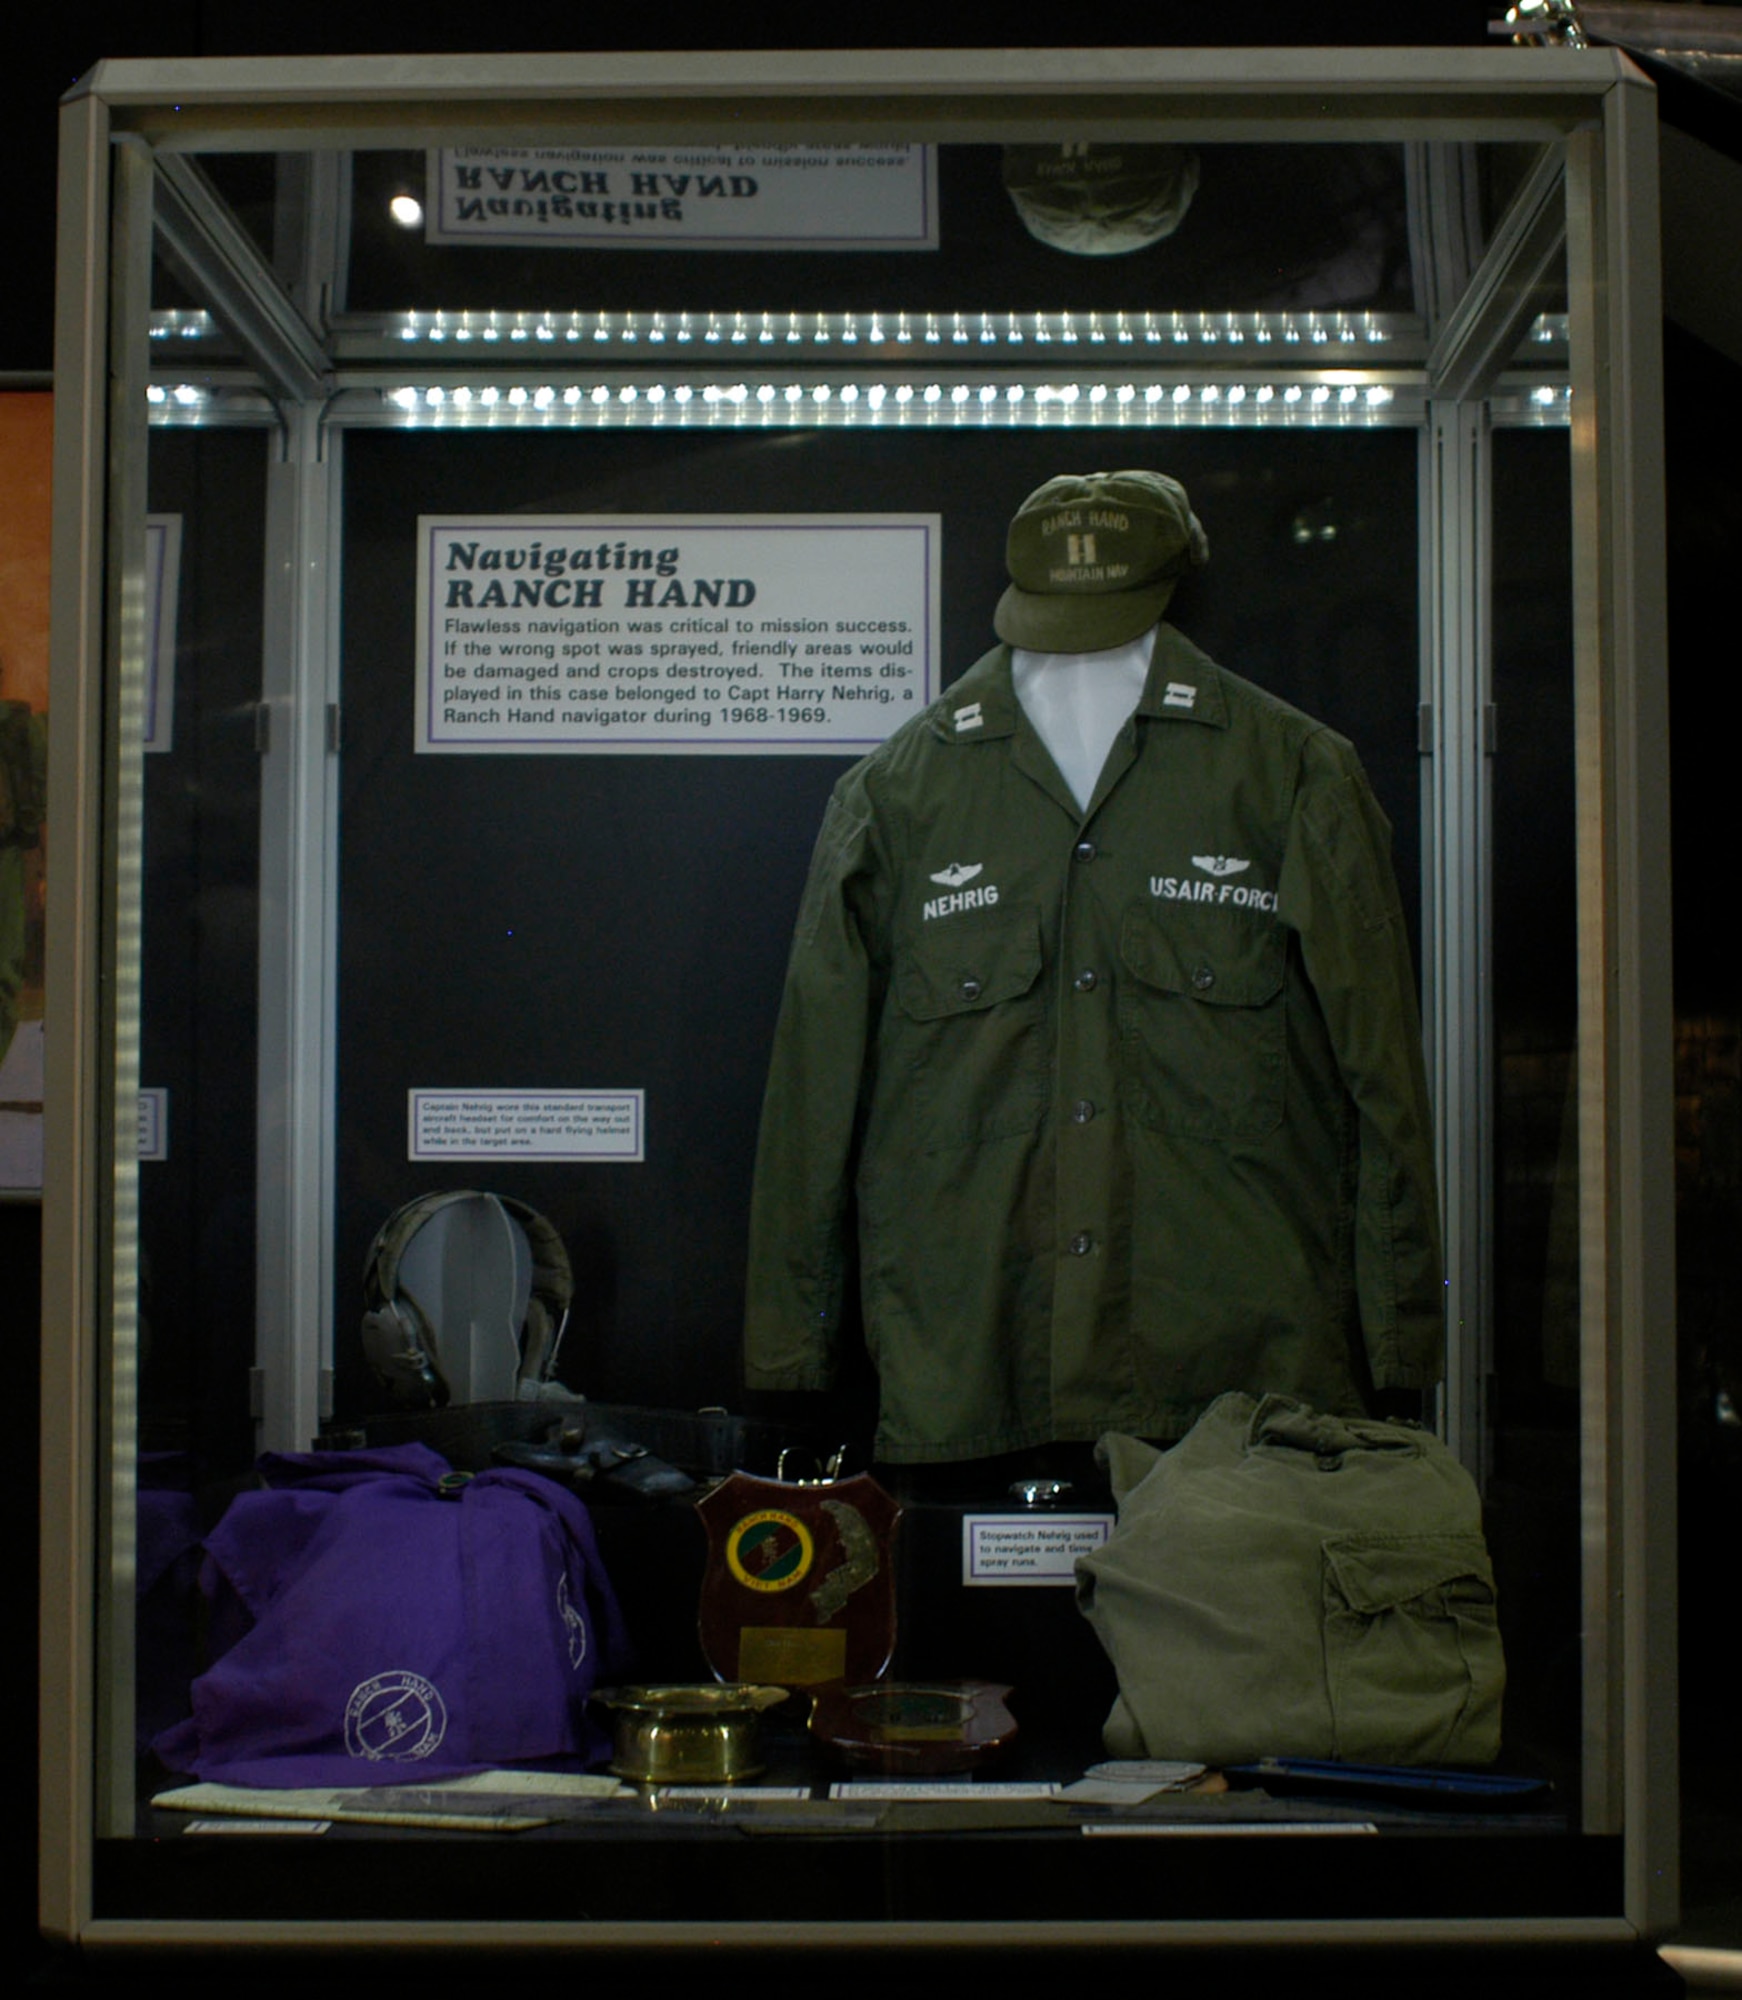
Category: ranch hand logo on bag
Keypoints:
(387, 1621)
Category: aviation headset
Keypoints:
(398, 1339)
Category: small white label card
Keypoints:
(1006, 1549)
(550, 1125)
(951, 1789)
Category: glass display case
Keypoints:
(499, 502)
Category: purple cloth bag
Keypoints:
(388, 1630)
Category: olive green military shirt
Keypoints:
(1126, 1106)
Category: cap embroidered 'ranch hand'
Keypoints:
(1094, 558)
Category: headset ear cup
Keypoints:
(383, 1343)
(399, 1354)
(398, 1340)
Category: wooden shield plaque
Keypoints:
(800, 1585)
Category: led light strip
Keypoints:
(1003, 403)
(811, 403)
(876, 394)
(190, 324)
(897, 329)
(901, 329)
(184, 403)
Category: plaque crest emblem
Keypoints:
(770, 1550)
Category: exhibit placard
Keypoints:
(686, 197)
(550, 1125)
(1004, 1549)
(773, 634)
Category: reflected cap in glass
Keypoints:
(1096, 199)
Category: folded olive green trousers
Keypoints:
(1284, 1583)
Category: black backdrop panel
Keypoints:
(1535, 907)
(199, 976)
(622, 922)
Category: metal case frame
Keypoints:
(127, 131)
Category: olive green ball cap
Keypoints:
(1093, 559)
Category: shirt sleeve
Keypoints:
(800, 1204)
(1339, 893)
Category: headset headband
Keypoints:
(393, 1315)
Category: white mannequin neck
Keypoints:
(1078, 702)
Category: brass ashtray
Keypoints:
(687, 1734)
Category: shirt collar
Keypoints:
(982, 705)
(1184, 685)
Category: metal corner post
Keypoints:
(119, 961)
(1457, 844)
(1627, 1223)
(70, 1165)
(298, 920)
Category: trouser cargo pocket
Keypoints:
(1413, 1662)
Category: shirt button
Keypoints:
(1203, 979)
(1082, 1111)
(1082, 1244)
(969, 989)
(1084, 850)
(1086, 981)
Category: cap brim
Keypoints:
(1056, 622)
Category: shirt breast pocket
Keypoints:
(1202, 1023)
(969, 1028)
